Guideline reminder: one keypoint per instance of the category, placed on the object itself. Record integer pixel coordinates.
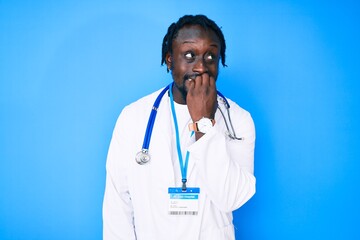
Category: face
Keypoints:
(195, 51)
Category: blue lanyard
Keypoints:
(183, 167)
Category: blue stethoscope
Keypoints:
(143, 156)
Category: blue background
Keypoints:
(67, 68)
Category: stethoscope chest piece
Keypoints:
(142, 157)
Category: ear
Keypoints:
(168, 59)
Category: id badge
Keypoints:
(183, 202)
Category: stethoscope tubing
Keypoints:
(151, 121)
(224, 99)
(152, 117)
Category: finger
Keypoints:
(212, 82)
(205, 79)
(190, 84)
(198, 81)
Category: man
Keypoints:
(193, 179)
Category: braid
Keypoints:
(201, 20)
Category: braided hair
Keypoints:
(201, 20)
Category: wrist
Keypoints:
(203, 125)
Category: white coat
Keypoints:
(136, 196)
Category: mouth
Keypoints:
(190, 77)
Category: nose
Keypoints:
(200, 67)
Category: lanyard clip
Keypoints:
(183, 188)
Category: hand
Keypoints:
(201, 99)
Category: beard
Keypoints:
(182, 88)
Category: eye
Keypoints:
(189, 55)
(210, 58)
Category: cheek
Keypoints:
(214, 70)
(177, 74)
(180, 68)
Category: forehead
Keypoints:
(196, 32)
